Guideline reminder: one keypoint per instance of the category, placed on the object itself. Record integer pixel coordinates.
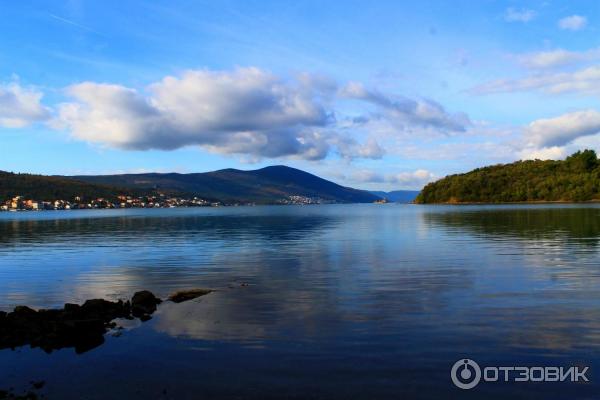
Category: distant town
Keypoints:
(19, 203)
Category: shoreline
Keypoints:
(454, 203)
(80, 326)
(482, 203)
(192, 207)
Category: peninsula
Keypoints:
(575, 179)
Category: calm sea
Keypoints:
(341, 301)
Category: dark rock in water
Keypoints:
(10, 395)
(185, 295)
(144, 303)
(82, 327)
(38, 385)
(100, 308)
(23, 311)
(72, 308)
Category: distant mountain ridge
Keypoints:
(398, 196)
(263, 186)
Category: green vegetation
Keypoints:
(262, 186)
(575, 179)
(50, 188)
(268, 185)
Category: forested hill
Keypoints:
(50, 188)
(266, 185)
(575, 179)
(270, 185)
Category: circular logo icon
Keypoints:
(465, 374)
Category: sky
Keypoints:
(382, 95)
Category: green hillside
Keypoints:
(575, 179)
(49, 188)
(266, 185)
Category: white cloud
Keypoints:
(586, 81)
(20, 106)
(546, 153)
(519, 15)
(573, 23)
(416, 178)
(246, 111)
(561, 130)
(409, 179)
(348, 148)
(556, 58)
(407, 112)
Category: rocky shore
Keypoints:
(81, 327)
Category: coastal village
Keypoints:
(20, 203)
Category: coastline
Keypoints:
(483, 203)
(453, 203)
(220, 205)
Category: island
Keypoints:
(575, 179)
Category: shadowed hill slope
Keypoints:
(266, 185)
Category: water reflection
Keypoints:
(45, 262)
(360, 294)
(580, 225)
(109, 231)
(541, 272)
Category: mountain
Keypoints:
(264, 186)
(49, 188)
(398, 196)
(575, 179)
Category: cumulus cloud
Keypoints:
(519, 15)
(586, 81)
(572, 23)
(411, 179)
(408, 112)
(556, 58)
(20, 106)
(350, 149)
(546, 153)
(245, 111)
(558, 131)
(416, 178)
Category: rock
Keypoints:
(38, 385)
(101, 308)
(144, 303)
(72, 308)
(185, 295)
(24, 311)
(82, 327)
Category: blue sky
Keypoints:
(388, 95)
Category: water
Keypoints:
(343, 301)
